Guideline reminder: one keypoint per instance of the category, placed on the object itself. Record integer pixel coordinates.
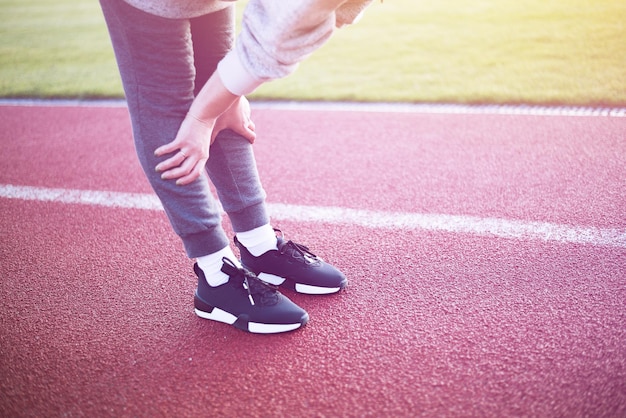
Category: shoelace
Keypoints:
(258, 291)
(265, 293)
(300, 252)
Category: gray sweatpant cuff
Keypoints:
(249, 218)
(205, 242)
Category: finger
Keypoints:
(250, 135)
(179, 170)
(167, 148)
(249, 131)
(193, 175)
(172, 162)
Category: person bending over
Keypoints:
(185, 79)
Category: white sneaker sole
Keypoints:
(298, 287)
(254, 327)
(314, 290)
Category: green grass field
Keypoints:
(453, 51)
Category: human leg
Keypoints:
(232, 169)
(155, 59)
(231, 165)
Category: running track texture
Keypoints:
(485, 248)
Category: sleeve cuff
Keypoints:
(235, 77)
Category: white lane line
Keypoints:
(86, 197)
(447, 108)
(496, 227)
(429, 108)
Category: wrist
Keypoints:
(212, 100)
(207, 123)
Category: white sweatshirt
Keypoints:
(276, 35)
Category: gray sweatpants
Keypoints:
(163, 63)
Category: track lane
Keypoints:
(568, 170)
(97, 317)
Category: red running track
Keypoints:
(96, 316)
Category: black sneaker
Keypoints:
(295, 267)
(246, 303)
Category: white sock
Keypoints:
(258, 240)
(212, 264)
